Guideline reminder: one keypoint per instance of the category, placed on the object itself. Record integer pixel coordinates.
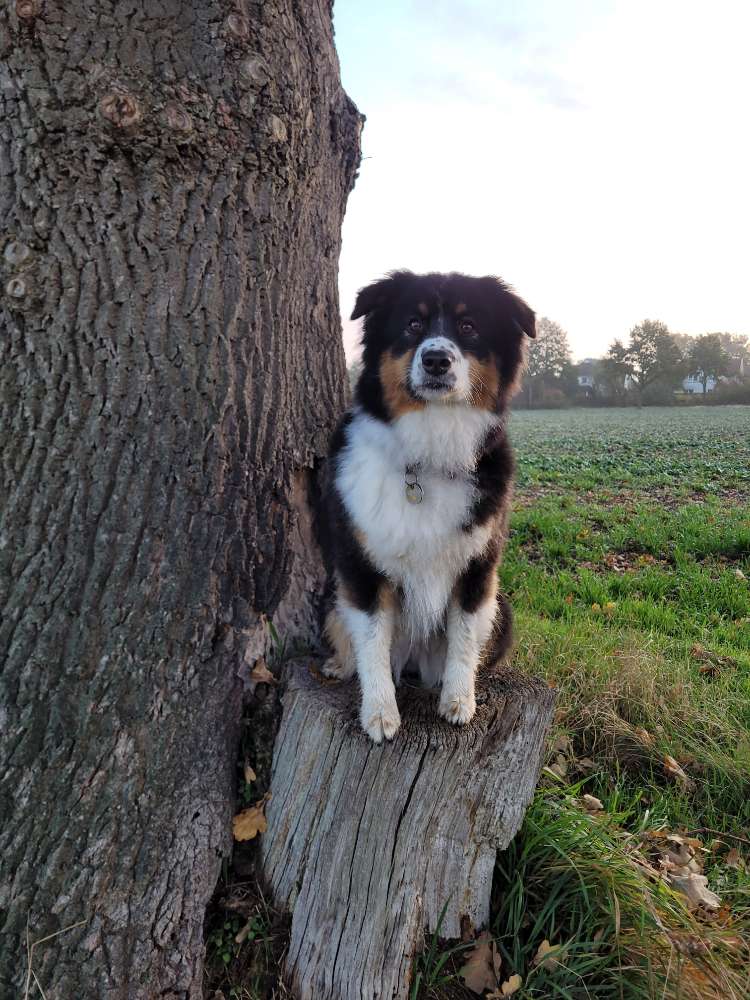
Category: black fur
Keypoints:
(493, 476)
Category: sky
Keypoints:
(593, 153)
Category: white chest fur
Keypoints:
(422, 547)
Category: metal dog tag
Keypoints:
(414, 492)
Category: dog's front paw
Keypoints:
(333, 667)
(456, 708)
(380, 719)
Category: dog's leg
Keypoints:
(341, 665)
(471, 618)
(371, 634)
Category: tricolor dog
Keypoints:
(421, 478)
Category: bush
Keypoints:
(730, 392)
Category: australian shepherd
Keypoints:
(420, 488)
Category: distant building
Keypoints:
(693, 384)
(585, 376)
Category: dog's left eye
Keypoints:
(415, 325)
(467, 327)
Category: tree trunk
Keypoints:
(367, 844)
(173, 177)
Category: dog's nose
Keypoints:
(436, 361)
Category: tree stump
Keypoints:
(366, 844)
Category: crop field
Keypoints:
(628, 568)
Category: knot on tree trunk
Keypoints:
(367, 845)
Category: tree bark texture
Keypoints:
(367, 844)
(173, 176)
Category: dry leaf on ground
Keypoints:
(592, 804)
(479, 972)
(507, 989)
(250, 822)
(248, 773)
(260, 674)
(695, 889)
(734, 859)
(546, 955)
(674, 771)
(560, 766)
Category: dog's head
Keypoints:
(440, 339)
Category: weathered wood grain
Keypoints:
(366, 844)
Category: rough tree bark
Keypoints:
(173, 176)
(367, 844)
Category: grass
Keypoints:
(628, 569)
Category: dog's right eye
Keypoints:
(415, 325)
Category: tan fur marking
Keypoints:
(485, 384)
(387, 599)
(339, 639)
(361, 537)
(393, 372)
(460, 309)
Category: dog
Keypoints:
(421, 474)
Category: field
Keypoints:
(628, 569)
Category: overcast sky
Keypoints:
(594, 153)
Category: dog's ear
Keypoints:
(511, 310)
(523, 315)
(379, 294)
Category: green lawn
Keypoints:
(628, 568)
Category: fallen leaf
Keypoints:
(585, 764)
(734, 859)
(561, 744)
(250, 822)
(592, 804)
(560, 766)
(569, 599)
(695, 888)
(680, 854)
(260, 674)
(478, 974)
(596, 607)
(739, 574)
(675, 772)
(248, 773)
(507, 989)
(546, 955)
(644, 736)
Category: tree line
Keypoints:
(650, 368)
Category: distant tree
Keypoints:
(568, 380)
(651, 356)
(548, 355)
(613, 370)
(707, 359)
(737, 345)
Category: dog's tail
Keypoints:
(500, 643)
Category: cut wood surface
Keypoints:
(366, 844)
